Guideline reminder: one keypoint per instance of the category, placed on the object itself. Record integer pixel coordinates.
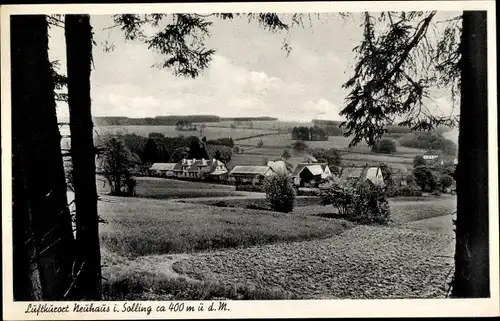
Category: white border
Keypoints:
(269, 309)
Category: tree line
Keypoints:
(154, 121)
(312, 133)
(156, 148)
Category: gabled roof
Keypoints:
(163, 166)
(278, 166)
(178, 167)
(314, 168)
(250, 170)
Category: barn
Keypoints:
(311, 173)
(162, 169)
(370, 174)
(254, 174)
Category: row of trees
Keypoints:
(156, 148)
(429, 140)
(309, 133)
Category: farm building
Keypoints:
(433, 156)
(252, 174)
(370, 174)
(310, 173)
(203, 166)
(162, 169)
(279, 166)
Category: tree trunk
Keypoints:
(43, 257)
(471, 278)
(78, 32)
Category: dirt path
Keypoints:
(409, 261)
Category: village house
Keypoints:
(198, 168)
(280, 167)
(253, 174)
(189, 168)
(310, 173)
(162, 169)
(355, 174)
(433, 156)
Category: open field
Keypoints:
(365, 262)
(170, 131)
(161, 188)
(138, 226)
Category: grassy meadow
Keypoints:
(137, 226)
(160, 188)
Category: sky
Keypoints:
(250, 75)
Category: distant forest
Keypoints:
(171, 120)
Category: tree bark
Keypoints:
(78, 33)
(471, 279)
(43, 257)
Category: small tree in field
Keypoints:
(358, 202)
(425, 179)
(116, 165)
(286, 154)
(419, 161)
(280, 193)
(384, 146)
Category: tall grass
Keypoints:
(142, 286)
(140, 227)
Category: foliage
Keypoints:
(299, 145)
(286, 154)
(236, 149)
(387, 175)
(260, 144)
(219, 152)
(309, 133)
(359, 202)
(419, 161)
(429, 140)
(184, 125)
(179, 154)
(397, 64)
(446, 181)
(117, 163)
(226, 141)
(150, 153)
(197, 149)
(425, 178)
(280, 193)
(384, 146)
(331, 156)
(404, 191)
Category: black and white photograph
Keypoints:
(223, 154)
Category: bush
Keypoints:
(419, 161)
(405, 191)
(360, 202)
(446, 181)
(280, 193)
(299, 145)
(429, 140)
(384, 146)
(425, 178)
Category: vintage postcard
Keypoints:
(249, 160)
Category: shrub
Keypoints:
(446, 181)
(359, 202)
(384, 146)
(425, 178)
(299, 145)
(419, 161)
(426, 140)
(280, 193)
(405, 191)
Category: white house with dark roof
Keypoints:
(371, 174)
(310, 172)
(251, 173)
